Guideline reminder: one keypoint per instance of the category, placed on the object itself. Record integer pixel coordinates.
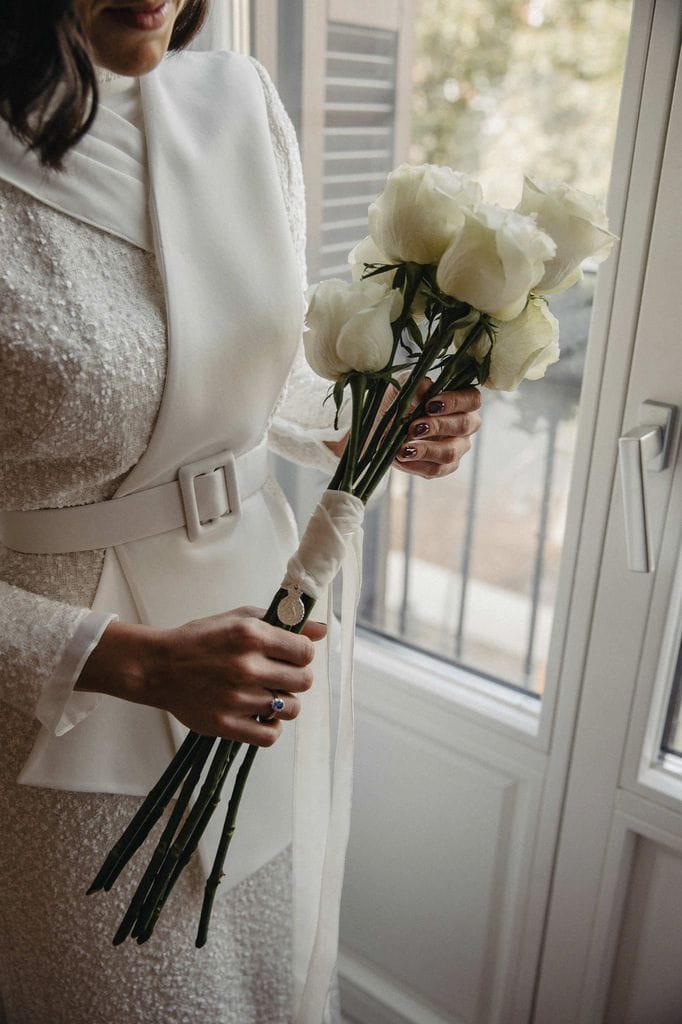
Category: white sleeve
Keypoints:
(59, 708)
(43, 646)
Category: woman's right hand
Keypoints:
(214, 674)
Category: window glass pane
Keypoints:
(467, 567)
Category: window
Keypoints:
(465, 568)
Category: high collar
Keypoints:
(121, 93)
(109, 80)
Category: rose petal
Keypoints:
(523, 348)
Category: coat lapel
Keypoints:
(103, 182)
(224, 249)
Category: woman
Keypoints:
(150, 313)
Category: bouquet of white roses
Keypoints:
(445, 287)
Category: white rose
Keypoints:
(349, 326)
(414, 217)
(494, 260)
(523, 348)
(577, 223)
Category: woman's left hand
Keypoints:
(437, 441)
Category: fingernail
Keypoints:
(421, 429)
(409, 452)
(434, 406)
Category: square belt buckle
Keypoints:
(224, 465)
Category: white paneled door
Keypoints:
(517, 860)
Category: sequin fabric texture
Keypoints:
(82, 366)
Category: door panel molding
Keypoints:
(626, 899)
(470, 830)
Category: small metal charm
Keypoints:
(291, 610)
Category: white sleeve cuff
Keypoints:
(59, 707)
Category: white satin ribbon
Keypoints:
(320, 553)
(332, 540)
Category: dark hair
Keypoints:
(42, 49)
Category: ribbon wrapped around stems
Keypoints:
(335, 521)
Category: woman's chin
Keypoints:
(133, 39)
(133, 60)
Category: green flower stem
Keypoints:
(335, 482)
(216, 876)
(194, 841)
(146, 817)
(167, 873)
(358, 387)
(414, 274)
(200, 757)
(369, 415)
(373, 433)
(373, 398)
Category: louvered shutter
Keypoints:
(343, 71)
(355, 118)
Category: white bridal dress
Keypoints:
(104, 313)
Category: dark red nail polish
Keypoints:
(409, 452)
(434, 406)
(421, 429)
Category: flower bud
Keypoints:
(348, 326)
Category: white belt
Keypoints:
(204, 493)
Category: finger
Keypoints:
(248, 730)
(441, 452)
(293, 648)
(314, 630)
(423, 386)
(421, 389)
(449, 402)
(250, 610)
(461, 424)
(260, 671)
(427, 470)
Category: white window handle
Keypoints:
(644, 447)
